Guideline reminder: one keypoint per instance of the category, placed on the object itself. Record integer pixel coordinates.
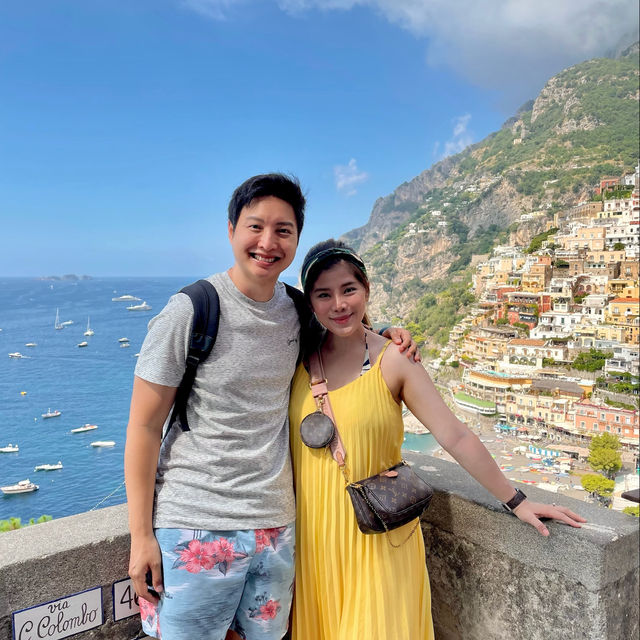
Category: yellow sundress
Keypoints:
(348, 585)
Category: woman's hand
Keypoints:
(531, 512)
(402, 337)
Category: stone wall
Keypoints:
(492, 577)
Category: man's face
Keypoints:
(264, 241)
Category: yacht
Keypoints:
(16, 354)
(123, 339)
(48, 467)
(57, 325)
(51, 414)
(10, 448)
(24, 486)
(124, 345)
(89, 331)
(31, 344)
(84, 427)
(84, 343)
(139, 307)
(125, 298)
(103, 443)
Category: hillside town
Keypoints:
(550, 348)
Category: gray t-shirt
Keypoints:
(232, 469)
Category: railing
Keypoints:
(492, 577)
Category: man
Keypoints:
(211, 511)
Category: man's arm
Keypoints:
(150, 406)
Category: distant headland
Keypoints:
(70, 276)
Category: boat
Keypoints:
(125, 298)
(139, 307)
(31, 344)
(124, 345)
(103, 443)
(57, 325)
(48, 467)
(51, 414)
(23, 486)
(84, 343)
(89, 331)
(66, 323)
(84, 427)
(10, 448)
(16, 354)
(123, 339)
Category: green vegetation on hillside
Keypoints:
(16, 523)
(436, 313)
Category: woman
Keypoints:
(349, 585)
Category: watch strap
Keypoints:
(517, 499)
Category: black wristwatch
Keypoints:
(519, 498)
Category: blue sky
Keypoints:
(126, 125)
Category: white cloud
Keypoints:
(348, 176)
(513, 46)
(460, 137)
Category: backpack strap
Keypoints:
(204, 330)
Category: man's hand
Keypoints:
(530, 512)
(145, 556)
(403, 339)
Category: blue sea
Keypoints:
(88, 385)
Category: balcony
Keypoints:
(492, 577)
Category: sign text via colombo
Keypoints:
(61, 618)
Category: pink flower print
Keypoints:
(269, 610)
(197, 556)
(267, 537)
(262, 540)
(222, 551)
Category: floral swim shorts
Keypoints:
(220, 580)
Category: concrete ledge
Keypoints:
(492, 577)
(62, 557)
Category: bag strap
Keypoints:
(311, 330)
(204, 330)
(320, 393)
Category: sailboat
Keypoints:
(57, 324)
(89, 331)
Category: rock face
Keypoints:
(548, 156)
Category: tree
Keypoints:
(604, 454)
(595, 484)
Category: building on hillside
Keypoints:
(595, 419)
(591, 238)
(607, 183)
(629, 269)
(626, 359)
(592, 283)
(593, 307)
(536, 278)
(524, 307)
(532, 352)
(623, 288)
(581, 211)
(555, 324)
(492, 386)
(621, 234)
(545, 403)
(625, 313)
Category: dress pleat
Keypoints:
(352, 586)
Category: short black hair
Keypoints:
(278, 185)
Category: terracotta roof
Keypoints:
(526, 342)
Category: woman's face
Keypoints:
(339, 299)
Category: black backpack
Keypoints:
(204, 330)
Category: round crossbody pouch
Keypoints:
(317, 430)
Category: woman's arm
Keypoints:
(411, 383)
(150, 406)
